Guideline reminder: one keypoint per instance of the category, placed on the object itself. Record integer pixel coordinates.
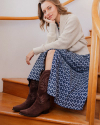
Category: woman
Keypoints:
(62, 68)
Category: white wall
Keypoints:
(18, 37)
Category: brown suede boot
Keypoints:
(42, 102)
(33, 84)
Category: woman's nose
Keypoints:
(47, 14)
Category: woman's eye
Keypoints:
(45, 11)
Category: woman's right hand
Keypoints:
(48, 21)
(29, 57)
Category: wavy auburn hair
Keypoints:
(61, 10)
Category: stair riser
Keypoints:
(19, 90)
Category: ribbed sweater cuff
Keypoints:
(38, 50)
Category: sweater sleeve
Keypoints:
(69, 36)
(51, 36)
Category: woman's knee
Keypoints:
(50, 53)
(49, 58)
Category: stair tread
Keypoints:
(96, 122)
(98, 73)
(87, 37)
(23, 81)
(56, 115)
(98, 96)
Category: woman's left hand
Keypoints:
(29, 57)
(48, 21)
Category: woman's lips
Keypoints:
(50, 16)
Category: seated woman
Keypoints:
(62, 67)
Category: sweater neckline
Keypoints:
(58, 26)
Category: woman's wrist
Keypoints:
(53, 21)
(32, 52)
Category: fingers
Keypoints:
(29, 57)
(27, 60)
(44, 18)
(47, 20)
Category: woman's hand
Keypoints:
(48, 21)
(29, 57)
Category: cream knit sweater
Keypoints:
(70, 37)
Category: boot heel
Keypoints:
(45, 112)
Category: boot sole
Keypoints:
(44, 112)
(16, 110)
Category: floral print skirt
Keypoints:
(68, 80)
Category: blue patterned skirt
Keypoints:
(68, 81)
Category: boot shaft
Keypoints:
(43, 82)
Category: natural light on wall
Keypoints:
(20, 8)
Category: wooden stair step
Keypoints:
(96, 122)
(19, 87)
(54, 117)
(98, 73)
(98, 96)
(90, 32)
(22, 91)
(17, 80)
(16, 86)
(88, 39)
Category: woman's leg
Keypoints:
(48, 60)
(42, 102)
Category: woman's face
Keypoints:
(49, 10)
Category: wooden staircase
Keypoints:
(14, 96)
(15, 91)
